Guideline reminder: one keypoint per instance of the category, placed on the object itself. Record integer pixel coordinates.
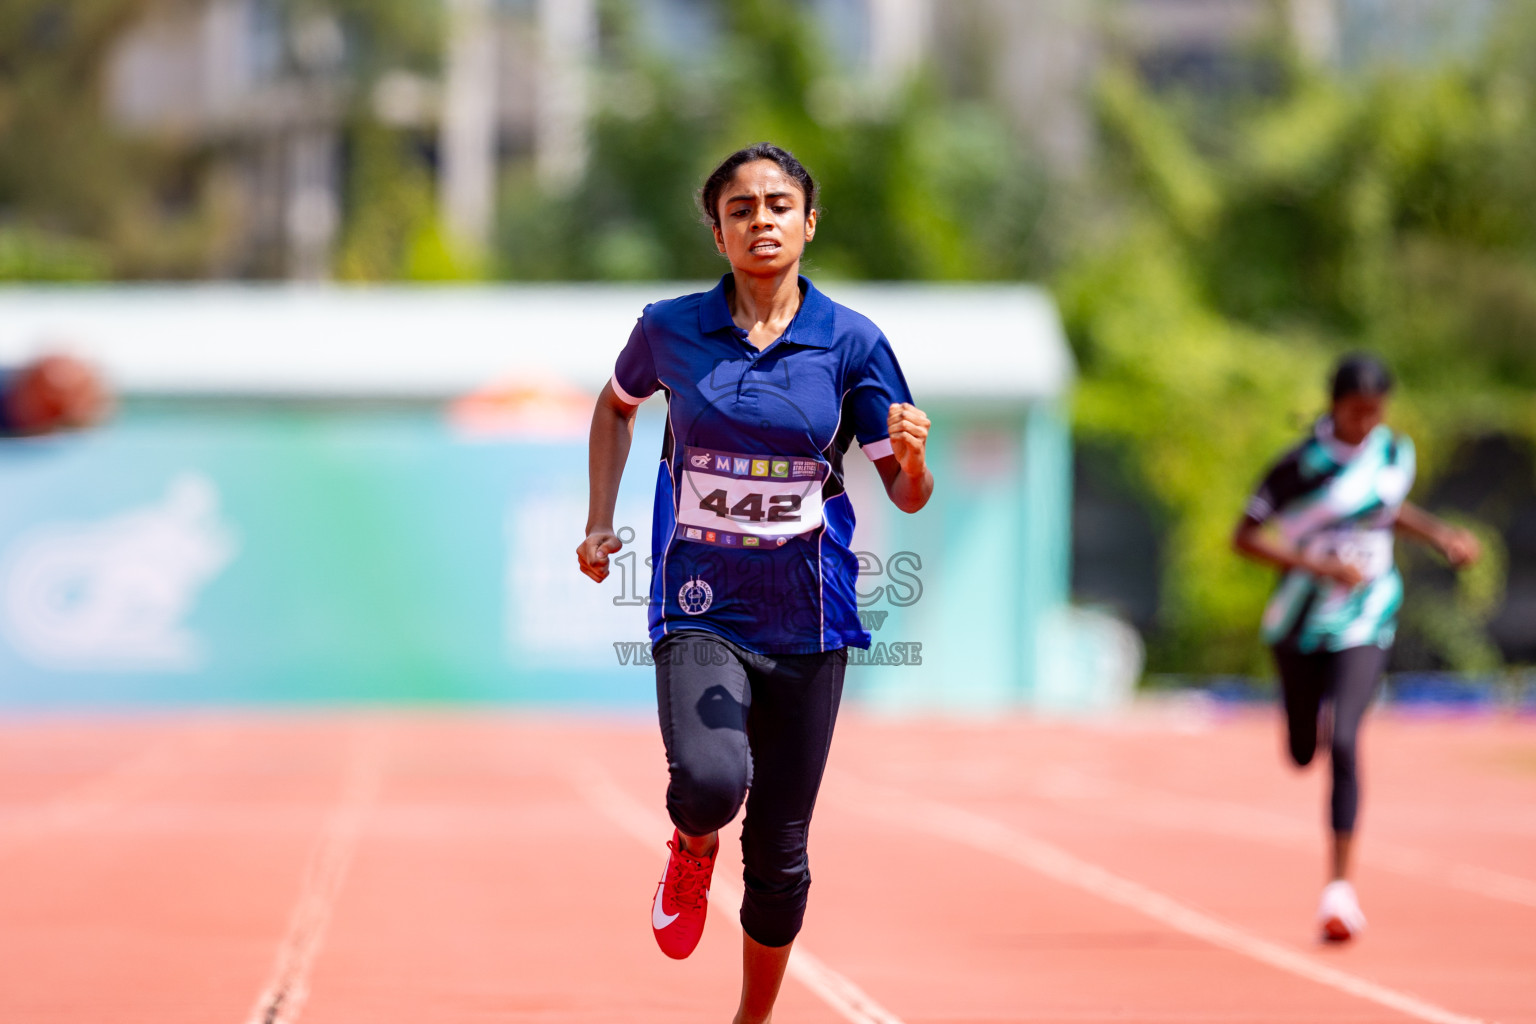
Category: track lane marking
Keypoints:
(1168, 810)
(282, 999)
(990, 836)
(1496, 884)
(842, 995)
(88, 801)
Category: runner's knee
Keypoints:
(701, 801)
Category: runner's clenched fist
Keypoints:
(909, 437)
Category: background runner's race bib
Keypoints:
(1370, 551)
(748, 501)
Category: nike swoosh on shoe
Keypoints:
(660, 918)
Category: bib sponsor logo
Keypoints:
(737, 496)
(696, 597)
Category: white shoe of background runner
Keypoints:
(1339, 915)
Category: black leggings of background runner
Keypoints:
(1348, 680)
(732, 721)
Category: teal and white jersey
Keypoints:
(1329, 498)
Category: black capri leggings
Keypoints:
(1348, 679)
(735, 721)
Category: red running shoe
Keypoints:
(682, 900)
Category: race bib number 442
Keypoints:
(748, 501)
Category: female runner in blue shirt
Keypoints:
(752, 598)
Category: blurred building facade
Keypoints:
(264, 86)
(237, 79)
(267, 91)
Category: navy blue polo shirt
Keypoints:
(752, 529)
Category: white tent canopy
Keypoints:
(954, 341)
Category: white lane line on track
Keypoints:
(1163, 809)
(90, 800)
(847, 999)
(1488, 882)
(95, 799)
(282, 1000)
(982, 833)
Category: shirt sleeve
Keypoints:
(1407, 460)
(1281, 485)
(875, 386)
(634, 375)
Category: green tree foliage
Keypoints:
(81, 200)
(71, 193)
(1249, 243)
(911, 186)
(390, 229)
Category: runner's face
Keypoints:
(1355, 416)
(763, 223)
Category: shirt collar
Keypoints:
(1336, 449)
(811, 327)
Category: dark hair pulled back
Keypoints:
(709, 195)
(1361, 373)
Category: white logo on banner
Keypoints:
(555, 616)
(115, 594)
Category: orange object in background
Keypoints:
(55, 392)
(546, 409)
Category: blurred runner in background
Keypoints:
(49, 394)
(1326, 514)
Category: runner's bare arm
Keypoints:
(905, 473)
(613, 427)
(1460, 547)
(1252, 540)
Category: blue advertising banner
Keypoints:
(197, 552)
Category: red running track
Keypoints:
(446, 867)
